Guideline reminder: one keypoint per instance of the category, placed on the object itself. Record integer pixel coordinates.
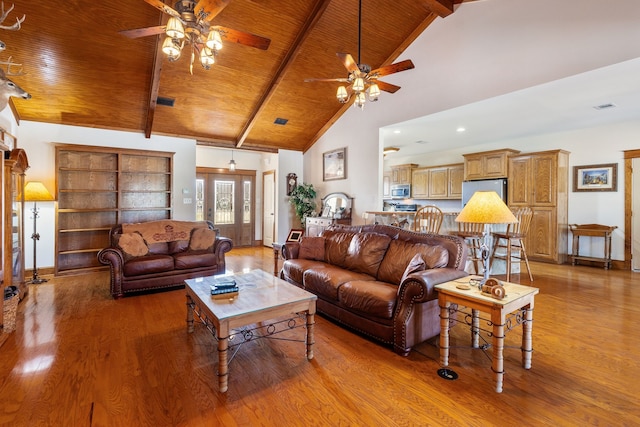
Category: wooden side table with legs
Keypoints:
(516, 308)
(592, 230)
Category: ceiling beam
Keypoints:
(311, 21)
(154, 84)
(442, 7)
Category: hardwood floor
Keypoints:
(80, 358)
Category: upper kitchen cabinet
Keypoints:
(487, 164)
(437, 182)
(401, 174)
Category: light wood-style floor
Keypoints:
(80, 358)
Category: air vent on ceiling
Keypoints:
(604, 106)
(165, 101)
(422, 142)
(281, 121)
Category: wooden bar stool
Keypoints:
(513, 240)
(472, 233)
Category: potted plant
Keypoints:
(303, 200)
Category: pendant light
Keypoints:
(232, 163)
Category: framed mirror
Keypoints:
(337, 206)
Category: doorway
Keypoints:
(228, 200)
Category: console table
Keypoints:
(592, 230)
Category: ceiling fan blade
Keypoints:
(158, 4)
(387, 87)
(210, 8)
(327, 80)
(143, 32)
(241, 37)
(393, 68)
(348, 61)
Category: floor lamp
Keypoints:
(486, 207)
(35, 191)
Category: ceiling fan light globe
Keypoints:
(214, 41)
(360, 100)
(374, 92)
(175, 29)
(207, 58)
(172, 48)
(358, 84)
(342, 95)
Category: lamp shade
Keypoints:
(35, 191)
(486, 207)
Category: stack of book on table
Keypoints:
(226, 289)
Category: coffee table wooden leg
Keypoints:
(527, 347)
(444, 334)
(223, 364)
(189, 314)
(497, 318)
(310, 339)
(475, 328)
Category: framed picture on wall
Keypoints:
(334, 164)
(596, 177)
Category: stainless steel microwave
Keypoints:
(401, 191)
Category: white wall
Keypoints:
(483, 50)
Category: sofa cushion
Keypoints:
(371, 297)
(132, 245)
(293, 269)
(325, 281)
(336, 246)
(177, 246)
(160, 248)
(366, 251)
(147, 265)
(416, 264)
(202, 239)
(312, 248)
(399, 256)
(187, 260)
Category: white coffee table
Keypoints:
(262, 297)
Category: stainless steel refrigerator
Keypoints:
(497, 185)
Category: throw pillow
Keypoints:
(202, 239)
(416, 264)
(401, 252)
(312, 248)
(133, 245)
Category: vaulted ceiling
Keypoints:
(81, 71)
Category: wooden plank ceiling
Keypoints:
(81, 71)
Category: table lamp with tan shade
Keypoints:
(35, 191)
(486, 207)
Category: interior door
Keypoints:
(268, 208)
(229, 203)
(635, 216)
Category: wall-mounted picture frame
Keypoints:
(602, 177)
(334, 164)
(295, 235)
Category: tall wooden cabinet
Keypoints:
(98, 187)
(540, 180)
(15, 167)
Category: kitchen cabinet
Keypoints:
(437, 182)
(487, 164)
(540, 180)
(386, 185)
(401, 174)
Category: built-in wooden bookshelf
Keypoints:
(98, 187)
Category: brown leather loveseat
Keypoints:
(162, 254)
(377, 279)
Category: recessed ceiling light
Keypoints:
(461, 129)
(397, 131)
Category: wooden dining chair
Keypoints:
(428, 219)
(512, 241)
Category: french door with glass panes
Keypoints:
(228, 201)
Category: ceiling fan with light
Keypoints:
(362, 79)
(190, 22)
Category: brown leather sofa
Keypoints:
(377, 279)
(162, 254)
